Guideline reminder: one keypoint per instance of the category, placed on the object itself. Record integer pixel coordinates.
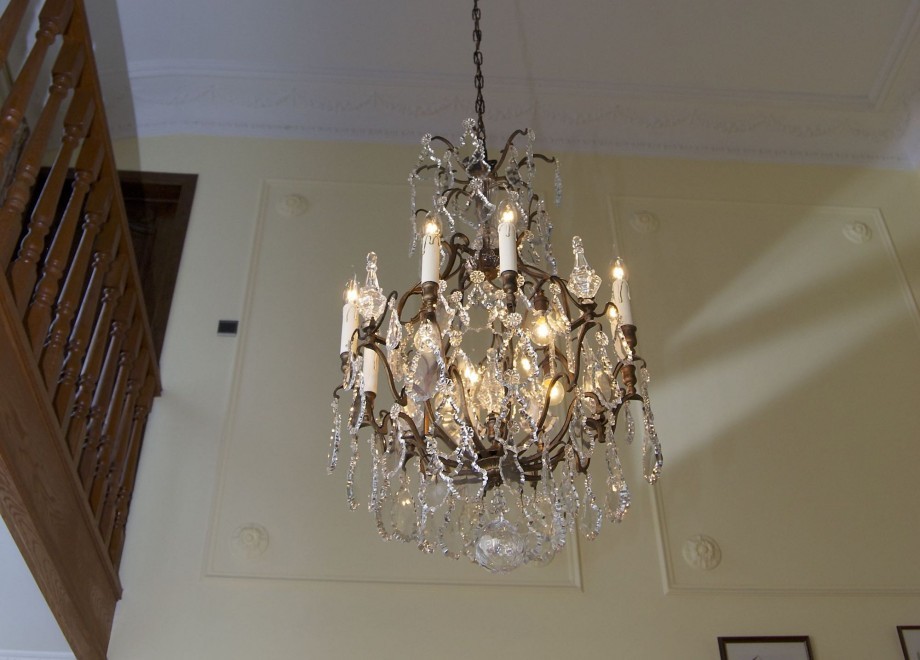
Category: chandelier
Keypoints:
(486, 389)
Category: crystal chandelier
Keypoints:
(501, 380)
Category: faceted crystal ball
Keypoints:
(371, 302)
(500, 547)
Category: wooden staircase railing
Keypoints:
(78, 367)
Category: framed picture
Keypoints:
(764, 648)
(910, 641)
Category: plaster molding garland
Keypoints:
(702, 552)
(292, 205)
(644, 222)
(344, 105)
(250, 541)
(857, 232)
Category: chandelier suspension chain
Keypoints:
(478, 79)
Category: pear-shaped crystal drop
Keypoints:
(618, 498)
(583, 281)
(405, 521)
(652, 458)
(435, 493)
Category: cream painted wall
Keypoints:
(630, 607)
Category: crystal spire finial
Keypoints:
(371, 301)
(583, 280)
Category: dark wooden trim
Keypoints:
(42, 502)
(163, 200)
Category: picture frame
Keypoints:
(787, 647)
(910, 641)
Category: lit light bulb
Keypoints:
(541, 333)
(619, 269)
(471, 375)
(612, 315)
(432, 226)
(556, 391)
(351, 291)
(525, 365)
(508, 214)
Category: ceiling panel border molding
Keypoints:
(872, 223)
(238, 547)
(671, 586)
(35, 655)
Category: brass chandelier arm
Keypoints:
(398, 396)
(459, 243)
(508, 143)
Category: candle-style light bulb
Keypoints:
(371, 368)
(620, 292)
(349, 316)
(431, 248)
(507, 237)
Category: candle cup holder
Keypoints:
(629, 370)
(429, 300)
(510, 287)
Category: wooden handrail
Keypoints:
(76, 350)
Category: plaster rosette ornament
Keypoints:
(486, 397)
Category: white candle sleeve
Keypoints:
(507, 246)
(349, 325)
(431, 257)
(371, 366)
(620, 298)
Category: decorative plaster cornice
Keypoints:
(684, 123)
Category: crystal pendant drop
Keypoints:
(618, 498)
(405, 522)
(435, 493)
(583, 281)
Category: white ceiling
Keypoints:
(832, 81)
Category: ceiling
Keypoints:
(824, 81)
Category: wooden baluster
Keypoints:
(104, 487)
(9, 26)
(116, 535)
(38, 318)
(24, 270)
(82, 332)
(64, 76)
(113, 287)
(52, 20)
(110, 402)
(97, 210)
